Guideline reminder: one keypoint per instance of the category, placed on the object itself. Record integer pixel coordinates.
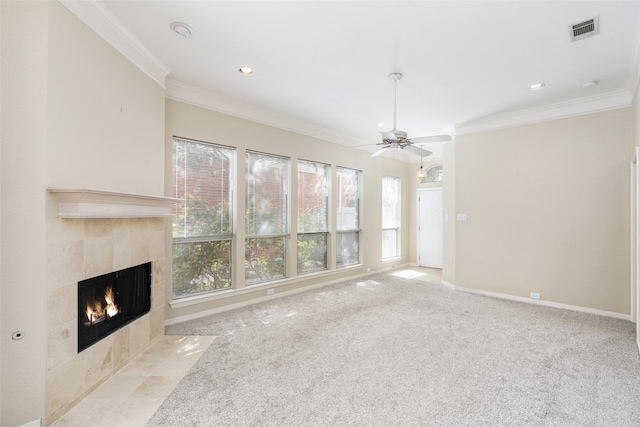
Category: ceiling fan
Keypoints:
(398, 139)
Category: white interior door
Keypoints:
(430, 227)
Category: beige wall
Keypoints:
(71, 108)
(548, 210)
(106, 117)
(23, 166)
(189, 121)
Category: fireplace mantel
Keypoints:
(90, 203)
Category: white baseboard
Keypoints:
(35, 423)
(588, 310)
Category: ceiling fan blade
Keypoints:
(380, 151)
(417, 150)
(358, 146)
(434, 138)
(389, 135)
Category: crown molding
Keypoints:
(593, 104)
(100, 20)
(190, 94)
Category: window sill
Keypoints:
(258, 287)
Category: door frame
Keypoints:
(635, 241)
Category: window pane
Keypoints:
(347, 248)
(347, 214)
(434, 174)
(264, 259)
(390, 202)
(267, 183)
(390, 216)
(312, 196)
(202, 177)
(389, 243)
(312, 252)
(201, 267)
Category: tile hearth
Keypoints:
(131, 396)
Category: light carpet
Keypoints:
(388, 351)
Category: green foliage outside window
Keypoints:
(201, 266)
(312, 252)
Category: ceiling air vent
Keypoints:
(584, 29)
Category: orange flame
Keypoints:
(99, 311)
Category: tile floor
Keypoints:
(133, 394)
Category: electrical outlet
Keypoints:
(270, 292)
(534, 295)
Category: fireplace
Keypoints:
(108, 302)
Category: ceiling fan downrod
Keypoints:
(395, 77)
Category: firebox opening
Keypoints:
(108, 302)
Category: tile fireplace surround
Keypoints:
(80, 248)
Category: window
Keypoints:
(312, 216)
(348, 217)
(434, 174)
(266, 217)
(390, 217)
(202, 228)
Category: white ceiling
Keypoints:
(321, 66)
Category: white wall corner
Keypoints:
(634, 72)
(448, 284)
(593, 104)
(100, 20)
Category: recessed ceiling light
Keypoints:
(245, 70)
(536, 86)
(183, 29)
(380, 125)
(590, 84)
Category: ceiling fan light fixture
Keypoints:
(536, 86)
(182, 29)
(398, 139)
(245, 70)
